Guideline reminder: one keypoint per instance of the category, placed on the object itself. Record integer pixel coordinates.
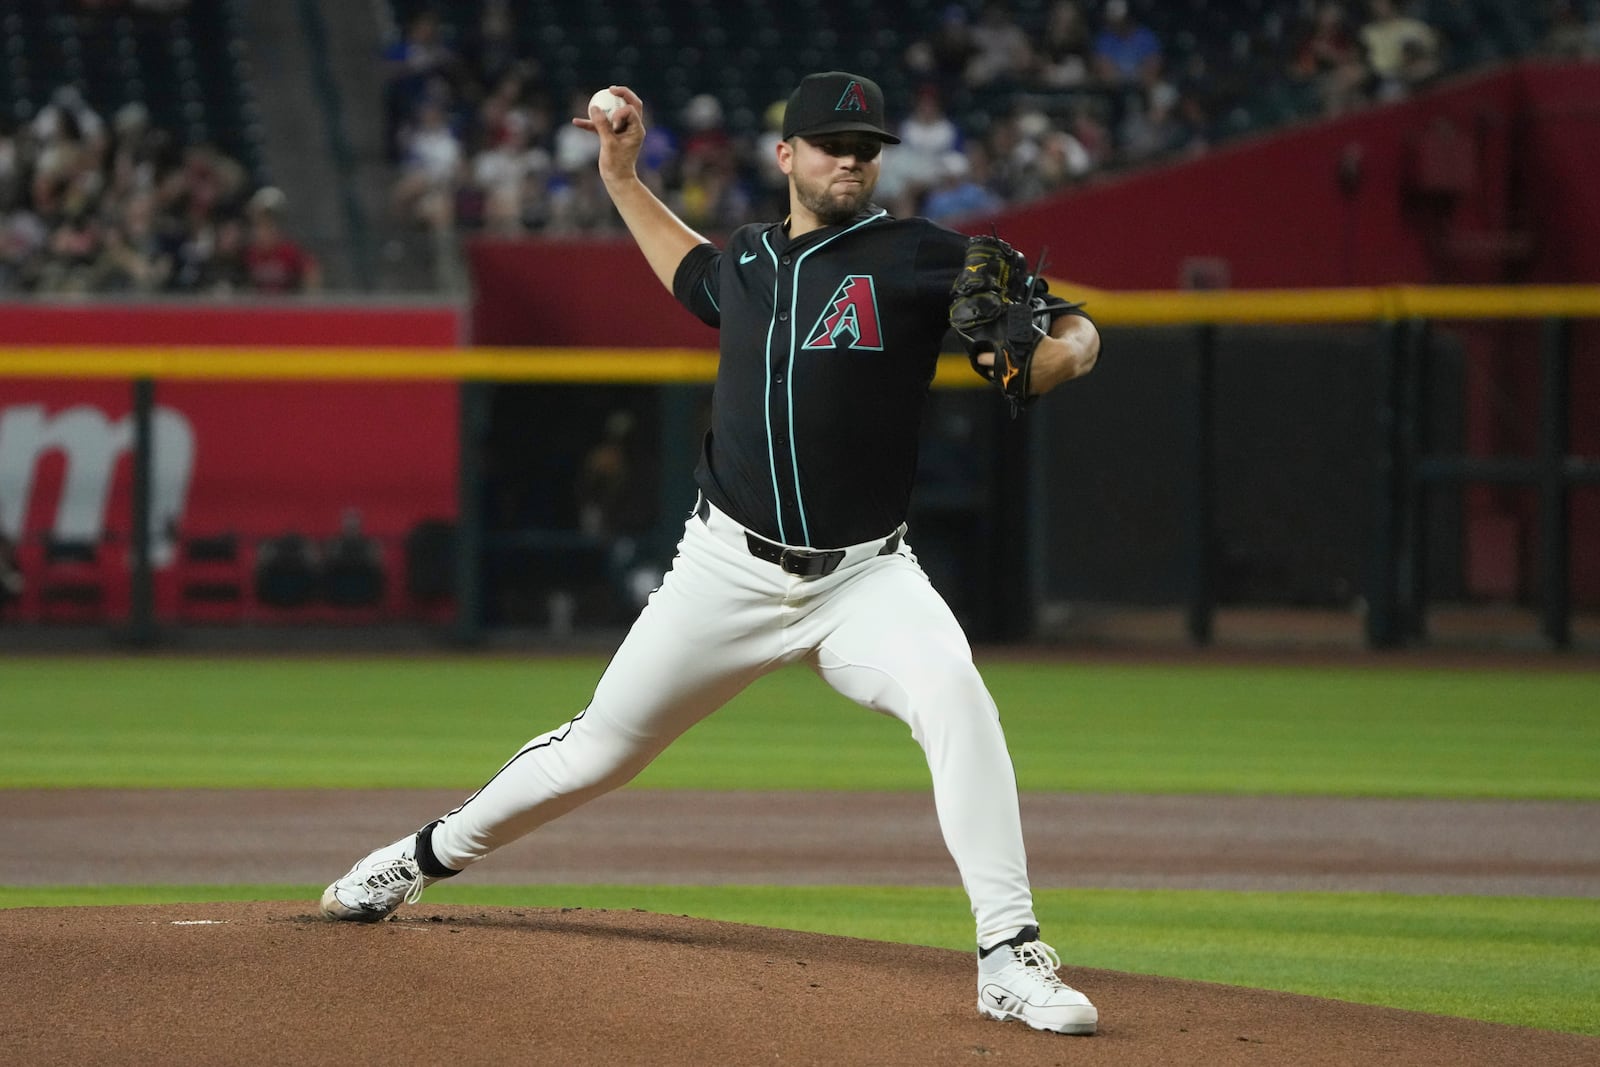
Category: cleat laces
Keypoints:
(414, 893)
(1042, 961)
(380, 884)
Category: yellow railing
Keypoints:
(1287, 306)
(1402, 475)
(578, 365)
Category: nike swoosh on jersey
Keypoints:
(747, 258)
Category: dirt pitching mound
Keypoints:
(272, 983)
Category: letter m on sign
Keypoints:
(851, 313)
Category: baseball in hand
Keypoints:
(607, 101)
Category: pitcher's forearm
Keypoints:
(1069, 352)
(663, 237)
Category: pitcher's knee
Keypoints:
(593, 761)
(957, 719)
(956, 685)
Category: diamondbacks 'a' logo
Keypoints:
(854, 98)
(852, 314)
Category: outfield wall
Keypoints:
(251, 460)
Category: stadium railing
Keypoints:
(1402, 315)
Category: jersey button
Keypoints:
(778, 378)
(783, 316)
(786, 259)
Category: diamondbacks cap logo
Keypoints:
(836, 102)
(854, 98)
(852, 314)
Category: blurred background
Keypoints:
(351, 184)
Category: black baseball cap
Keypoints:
(836, 102)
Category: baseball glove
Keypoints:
(993, 305)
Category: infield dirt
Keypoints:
(270, 983)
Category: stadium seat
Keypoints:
(286, 572)
(211, 577)
(72, 585)
(352, 572)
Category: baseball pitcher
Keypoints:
(795, 552)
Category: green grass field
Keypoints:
(446, 722)
(1373, 731)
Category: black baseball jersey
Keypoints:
(828, 344)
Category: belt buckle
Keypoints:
(796, 562)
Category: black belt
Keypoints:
(800, 562)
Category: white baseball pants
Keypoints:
(875, 630)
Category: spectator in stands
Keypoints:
(941, 57)
(204, 183)
(1085, 123)
(1062, 160)
(1573, 34)
(13, 165)
(1401, 51)
(1001, 52)
(659, 157)
(274, 262)
(774, 183)
(136, 148)
(509, 178)
(706, 138)
(504, 154)
(514, 101)
(1065, 48)
(72, 250)
(1127, 60)
(915, 165)
(22, 250)
(430, 169)
(1127, 54)
(578, 203)
(68, 107)
(1419, 65)
(711, 195)
(1151, 124)
(210, 261)
(1011, 143)
(960, 192)
(133, 257)
(490, 52)
(66, 177)
(574, 150)
(413, 63)
(1328, 59)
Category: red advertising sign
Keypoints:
(253, 459)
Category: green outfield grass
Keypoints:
(449, 721)
(1529, 962)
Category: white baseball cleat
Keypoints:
(1020, 982)
(378, 884)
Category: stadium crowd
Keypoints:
(89, 205)
(1002, 111)
(93, 203)
(999, 111)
